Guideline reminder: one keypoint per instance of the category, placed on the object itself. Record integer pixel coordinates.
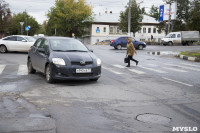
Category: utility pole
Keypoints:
(169, 19)
(26, 22)
(129, 18)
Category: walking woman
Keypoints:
(130, 52)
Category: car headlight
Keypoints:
(58, 61)
(98, 62)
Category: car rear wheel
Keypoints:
(140, 47)
(30, 67)
(3, 49)
(119, 46)
(48, 74)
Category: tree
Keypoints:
(194, 19)
(136, 18)
(21, 17)
(183, 14)
(154, 12)
(5, 17)
(67, 17)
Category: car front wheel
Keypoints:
(31, 70)
(140, 47)
(3, 49)
(48, 74)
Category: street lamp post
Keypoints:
(129, 19)
(169, 19)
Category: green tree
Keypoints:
(5, 17)
(194, 19)
(136, 18)
(21, 17)
(183, 14)
(154, 12)
(67, 17)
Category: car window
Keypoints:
(37, 43)
(44, 44)
(173, 36)
(20, 38)
(30, 39)
(12, 38)
(67, 45)
(179, 36)
(124, 39)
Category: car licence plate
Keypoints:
(83, 70)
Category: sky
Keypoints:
(39, 8)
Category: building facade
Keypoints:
(105, 27)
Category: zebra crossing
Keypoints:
(119, 69)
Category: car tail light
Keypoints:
(112, 41)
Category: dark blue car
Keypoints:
(122, 42)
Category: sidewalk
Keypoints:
(17, 115)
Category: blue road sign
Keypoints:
(27, 28)
(161, 13)
(97, 30)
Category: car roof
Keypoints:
(55, 37)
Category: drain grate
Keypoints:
(153, 118)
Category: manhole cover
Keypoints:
(153, 118)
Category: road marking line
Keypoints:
(151, 69)
(152, 65)
(109, 69)
(177, 82)
(174, 69)
(194, 69)
(22, 70)
(132, 70)
(2, 67)
(190, 64)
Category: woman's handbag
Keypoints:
(126, 59)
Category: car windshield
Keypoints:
(67, 45)
(30, 39)
(168, 36)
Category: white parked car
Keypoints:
(18, 43)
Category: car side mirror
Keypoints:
(41, 50)
(91, 50)
(24, 41)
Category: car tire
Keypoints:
(31, 70)
(115, 47)
(3, 49)
(140, 47)
(94, 79)
(48, 74)
(119, 46)
(170, 43)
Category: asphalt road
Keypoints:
(160, 93)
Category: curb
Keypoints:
(154, 53)
(162, 53)
(195, 59)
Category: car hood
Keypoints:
(75, 56)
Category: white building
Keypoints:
(105, 27)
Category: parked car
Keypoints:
(63, 58)
(16, 43)
(122, 42)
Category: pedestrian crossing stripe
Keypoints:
(151, 69)
(22, 70)
(174, 69)
(2, 67)
(132, 70)
(185, 67)
(109, 69)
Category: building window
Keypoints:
(144, 30)
(154, 30)
(149, 30)
(111, 29)
(117, 29)
(104, 29)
